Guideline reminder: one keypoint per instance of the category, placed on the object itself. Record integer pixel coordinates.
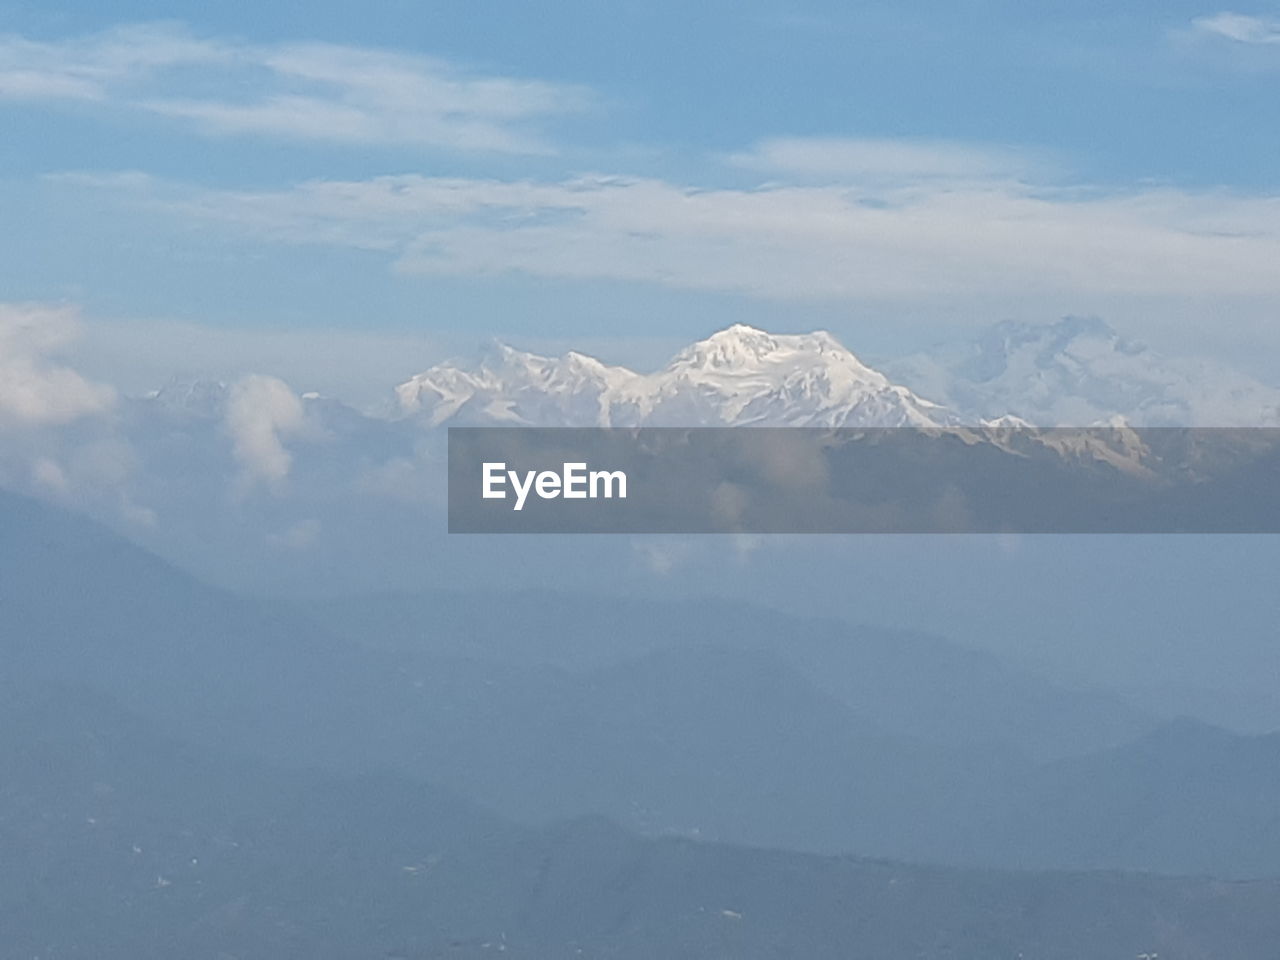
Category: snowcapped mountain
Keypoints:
(1079, 372)
(1072, 372)
(739, 376)
(513, 387)
(204, 399)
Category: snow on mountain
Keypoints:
(1080, 372)
(1073, 372)
(739, 376)
(517, 388)
(205, 399)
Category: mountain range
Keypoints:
(119, 843)
(739, 376)
(252, 485)
(747, 727)
(190, 447)
(1074, 372)
(1077, 371)
(204, 440)
(189, 772)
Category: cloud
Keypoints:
(843, 158)
(59, 433)
(35, 389)
(306, 91)
(93, 68)
(1240, 27)
(910, 239)
(260, 412)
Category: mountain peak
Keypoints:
(734, 346)
(740, 330)
(190, 396)
(1061, 330)
(740, 375)
(498, 355)
(742, 348)
(1078, 372)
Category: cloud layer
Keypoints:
(834, 219)
(915, 236)
(260, 412)
(1240, 27)
(846, 157)
(309, 91)
(35, 389)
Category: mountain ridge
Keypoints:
(1078, 371)
(727, 741)
(121, 843)
(1072, 372)
(736, 377)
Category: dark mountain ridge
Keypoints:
(744, 742)
(119, 844)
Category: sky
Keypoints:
(341, 194)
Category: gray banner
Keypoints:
(992, 479)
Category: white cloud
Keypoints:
(93, 68)
(1240, 27)
(842, 158)
(913, 239)
(35, 389)
(261, 411)
(310, 91)
(59, 433)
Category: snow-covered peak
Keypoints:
(741, 348)
(190, 397)
(743, 351)
(1079, 372)
(737, 376)
(736, 347)
(515, 387)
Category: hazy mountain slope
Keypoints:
(908, 684)
(680, 741)
(1078, 371)
(116, 844)
(693, 901)
(726, 741)
(79, 605)
(728, 744)
(1185, 794)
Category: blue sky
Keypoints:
(628, 176)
